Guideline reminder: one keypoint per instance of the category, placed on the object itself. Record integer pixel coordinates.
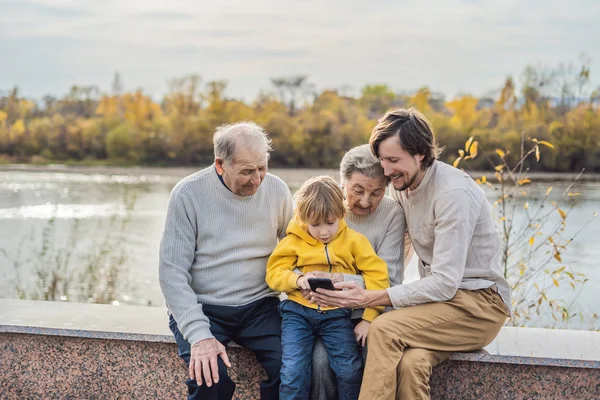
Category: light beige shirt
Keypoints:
(452, 230)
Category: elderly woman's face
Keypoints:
(363, 194)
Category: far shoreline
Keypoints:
(184, 171)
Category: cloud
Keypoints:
(164, 15)
(453, 46)
(47, 9)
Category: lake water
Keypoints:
(82, 202)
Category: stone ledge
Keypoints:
(66, 350)
(527, 346)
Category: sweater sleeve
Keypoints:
(391, 249)
(374, 271)
(358, 279)
(280, 267)
(456, 216)
(287, 213)
(177, 252)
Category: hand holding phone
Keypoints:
(324, 283)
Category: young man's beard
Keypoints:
(409, 183)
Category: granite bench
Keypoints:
(85, 351)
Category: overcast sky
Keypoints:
(452, 46)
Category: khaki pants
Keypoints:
(405, 344)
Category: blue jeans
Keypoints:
(256, 326)
(299, 327)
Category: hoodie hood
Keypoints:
(298, 228)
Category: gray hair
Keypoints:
(360, 159)
(226, 136)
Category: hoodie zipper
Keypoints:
(327, 255)
(330, 267)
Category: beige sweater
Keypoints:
(454, 235)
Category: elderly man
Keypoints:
(462, 299)
(222, 224)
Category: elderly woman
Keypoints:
(381, 220)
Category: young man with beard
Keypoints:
(462, 299)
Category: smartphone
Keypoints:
(324, 283)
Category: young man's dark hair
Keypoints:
(412, 129)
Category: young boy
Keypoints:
(318, 239)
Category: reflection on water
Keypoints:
(64, 211)
(29, 199)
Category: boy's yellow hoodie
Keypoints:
(348, 252)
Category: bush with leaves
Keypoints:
(533, 246)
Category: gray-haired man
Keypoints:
(222, 224)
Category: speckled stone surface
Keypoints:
(527, 346)
(457, 380)
(60, 367)
(86, 351)
(49, 367)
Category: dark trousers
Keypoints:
(256, 326)
(300, 327)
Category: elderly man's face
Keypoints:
(403, 169)
(246, 171)
(363, 194)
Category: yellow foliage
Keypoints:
(546, 144)
(316, 134)
(464, 112)
(421, 100)
(473, 150)
(17, 129)
(468, 143)
(108, 106)
(523, 181)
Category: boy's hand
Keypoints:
(361, 330)
(335, 277)
(302, 282)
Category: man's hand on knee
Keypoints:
(203, 361)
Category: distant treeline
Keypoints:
(308, 128)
